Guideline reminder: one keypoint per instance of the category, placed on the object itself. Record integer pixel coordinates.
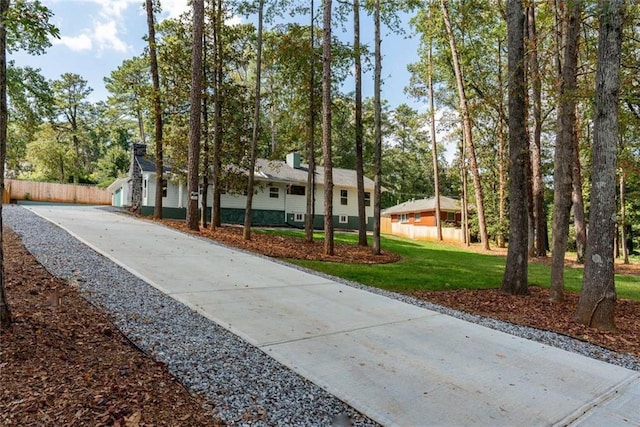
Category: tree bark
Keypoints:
(597, 301)
(195, 115)
(326, 129)
(205, 137)
(309, 218)
(216, 161)
(467, 129)
(502, 194)
(157, 109)
(515, 280)
(563, 158)
(362, 219)
(539, 218)
(5, 311)
(256, 129)
(376, 248)
(434, 145)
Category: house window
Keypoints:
(451, 216)
(343, 219)
(296, 190)
(416, 217)
(403, 217)
(145, 189)
(367, 198)
(274, 192)
(298, 217)
(344, 197)
(164, 188)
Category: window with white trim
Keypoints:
(451, 216)
(403, 217)
(274, 192)
(416, 217)
(298, 217)
(296, 190)
(344, 197)
(367, 198)
(343, 219)
(145, 187)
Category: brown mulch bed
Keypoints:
(278, 246)
(63, 363)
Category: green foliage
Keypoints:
(440, 267)
(28, 26)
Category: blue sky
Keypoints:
(97, 35)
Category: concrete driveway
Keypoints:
(397, 363)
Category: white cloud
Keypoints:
(107, 38)
(75, 43)
(174, 8)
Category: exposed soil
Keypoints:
(63, 363)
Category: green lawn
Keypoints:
(434, 266)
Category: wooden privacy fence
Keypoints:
(53, 192)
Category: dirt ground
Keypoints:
(63, 363)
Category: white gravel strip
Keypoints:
(242, 381)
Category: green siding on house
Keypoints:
(262, 217)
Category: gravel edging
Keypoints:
(243, 382)
(246, 385)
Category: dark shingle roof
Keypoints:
(422, 205)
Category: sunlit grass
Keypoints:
(437, 266)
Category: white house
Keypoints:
(280, 198)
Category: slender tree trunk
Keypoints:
(377, 192)
(597, 301)
(502, 181)
(205, 138)
(326, 129)
(309, 218)
(563, 160)
(434, 145)
(157, 109)
(362, 219)
(467, 129)
(256, 129)
(623, 219)
(216, 160)
(539, 219)
(5, 311)
(577, 199)
(195, 115)
(465, 206)
(515, 279)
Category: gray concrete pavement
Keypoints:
(398, 364)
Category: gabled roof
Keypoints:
(148, 165)
(281, 171)
(422, 205)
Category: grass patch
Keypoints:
(436, 266)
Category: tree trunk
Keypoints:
(256, 129)
(467, 129)
(5, 311)
(205, 138)
(157, 110)
(216, 161)
(597, 301)
(623, 219)
(563, 158)
(194, 115)
(309, 218)
(465, 206)
(515, 279)
(539, 219)
(362, 219)
(326, 129)
(502, 194)
(377, 192)
(434, 145)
